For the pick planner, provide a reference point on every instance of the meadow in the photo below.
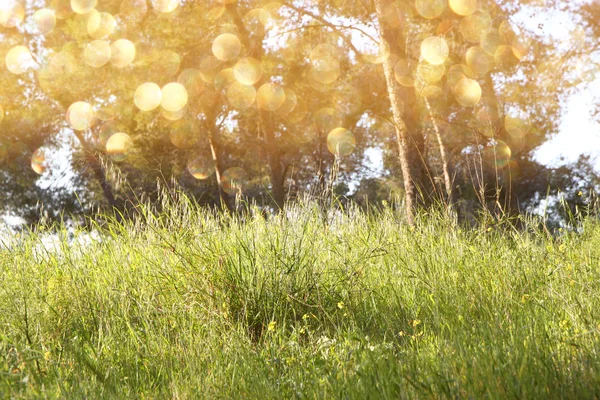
(190, 303)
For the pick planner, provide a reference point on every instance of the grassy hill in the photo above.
(190, 303)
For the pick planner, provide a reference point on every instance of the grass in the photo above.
(190, 303)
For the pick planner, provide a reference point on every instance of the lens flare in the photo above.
(97, 53)
(209, 68)
(201, 167)
(100, 25)
(184, 134)
(234, 180)
(248, 71)
(80, 116)
(12, 15)
(226, 47)
(83, 6)
(463, 7)
(192, 81)
(327, 119)
(430, 9)
(473, 26)
(241, 96)
(44, 21)
(119, 146)
(174, 97)
(403, 73)
(435, 50)
(38, 162)
(478, 60)
(133, 9)
(467, 92)
(122, 53)
(341, 142)
(18, 60)
(147, 96)
(270, 97)
(165, 6)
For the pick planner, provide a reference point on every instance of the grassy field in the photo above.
(194, 304)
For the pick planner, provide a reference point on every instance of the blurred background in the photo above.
(474, 104)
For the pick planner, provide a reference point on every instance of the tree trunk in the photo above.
(402, 135)
(276, 170)
(95, 164)
(224, 198)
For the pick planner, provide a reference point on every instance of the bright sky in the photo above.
(578, 132)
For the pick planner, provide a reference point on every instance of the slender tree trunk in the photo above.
(95, 164)
(215, 151)
(443, 156)
(276, 170)
(402, 136)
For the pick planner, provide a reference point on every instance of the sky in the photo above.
(578, 132)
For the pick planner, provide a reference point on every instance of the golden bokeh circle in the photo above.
(201, 167)
(97, 53)
(463, 7)
(38, 161)
(234, 180)
(147, 96)
(83, 6)
(341, 142)
(226, 47)
(44, 20)
(122, 53)
(174, 97)
(270, 97)
(165, 6)
(119, 146)
(81, 116)
(430, 9)
(241, 96)
(18, 60)
(100, 25)
(248, 71)
(435, 50)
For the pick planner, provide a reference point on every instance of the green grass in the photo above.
(194, 304)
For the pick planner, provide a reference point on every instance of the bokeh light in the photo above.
(38, 161)
(122, 53)
(403, 73)
(97, 53)
(248, 71)
(100, 25)
(430, 73)
(234, 180)
(209, 68)
(184, 134)
(18, 60)
(341, 142)
(201, 167)
(478, 60)
(191, 79)
(11, 14)
(119, 146)
(327, 119)
(226, 47)
(430, 9)
(165, 6)
(147, 96)
(83, 6)
(241, 96)
(44, 20)
(473, 26)
(467, 92)
(435, 50)
(516, 127)
(81, 116)
(174, 97)
(498, 154)
(463, 7)
(133, 9)
(270, 96)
